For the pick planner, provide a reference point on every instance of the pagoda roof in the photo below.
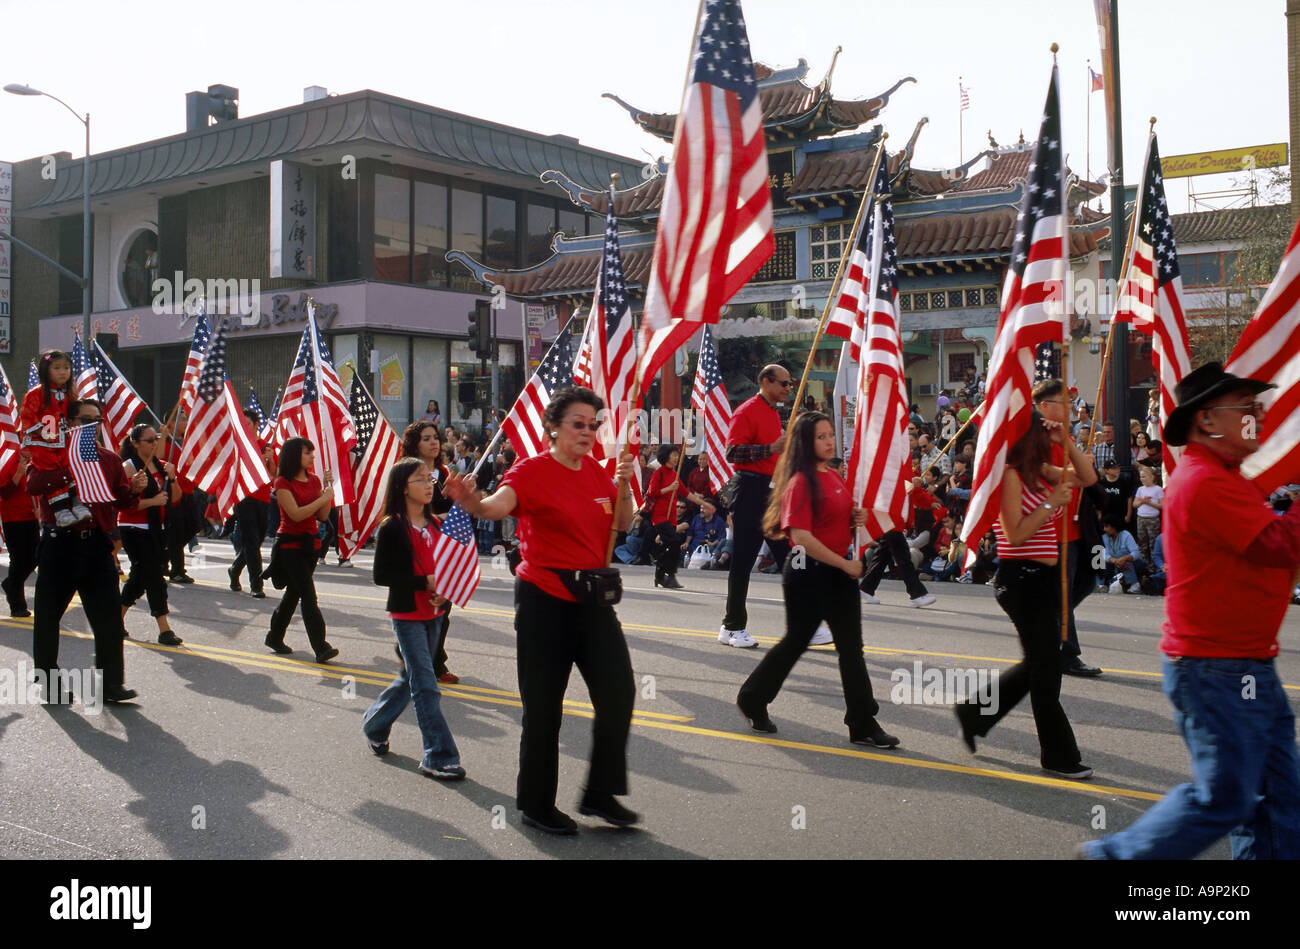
(791, 107)
(983, 233)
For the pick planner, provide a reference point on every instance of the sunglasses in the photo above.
(578, 425)
(785, 383)
(87, 420)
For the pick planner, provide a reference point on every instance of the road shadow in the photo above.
(225, 680)
(434, 837)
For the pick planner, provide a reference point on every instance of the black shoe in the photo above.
(258, 595)
(329, 653)
(118, 693)
(877, 738)
(277, 645)
(967, 736)
(234, 580)
(1074, 772)
(168, 638)
(181, 578)
(756, 717)
(555, 822)
(377, 748)
(605, 807)
(448, 772)
(1077, 668)
(19, 612)
(668, 581)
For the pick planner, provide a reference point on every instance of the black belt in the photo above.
(80, 533)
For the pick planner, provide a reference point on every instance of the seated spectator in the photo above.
(630, 550)
(959, 488)
(949, 551)
(707, 530)
(1157, 580)
(1123, 558)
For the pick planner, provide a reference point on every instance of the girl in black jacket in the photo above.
(404, 563)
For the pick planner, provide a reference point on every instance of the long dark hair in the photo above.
(395, 495)
(130, 453)
(47, 360)
(799, 458)
(1034, 449)
(291, 457)
(411, 438)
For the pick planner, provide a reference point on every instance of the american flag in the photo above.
(523, 423)
(33, 377)
(1269, 349)
(1152, 297)
(256, 406)
(964, 92)
(848, 318)
(266, 431)
(1033, 312)
(1047, 362)
(83, 373)
(712, 411)
(83, 459)
(1096, 82)
(220, 455)
(879, 463)
(612, 342)
(198, 346)
(120, 403)
(379, 448)
(315, 408)
(715, 226)
(10, 443)
(455, 559)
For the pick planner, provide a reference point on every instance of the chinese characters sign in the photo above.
(293, 220)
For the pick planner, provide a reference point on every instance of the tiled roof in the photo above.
(974, 234)
(570, 274)
(1232, 224)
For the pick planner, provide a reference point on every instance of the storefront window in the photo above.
(500, 253)
(429, 377)
(541, 226)
(573, 223)
(393, 378)
(466, 234)
(429, 260)
(139, 269)
(392, 228)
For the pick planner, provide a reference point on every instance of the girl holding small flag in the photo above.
(142, 528)
(423, 440)
(565, 503)
(44, 424)
(404, 546)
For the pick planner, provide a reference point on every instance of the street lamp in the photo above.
(19, 89)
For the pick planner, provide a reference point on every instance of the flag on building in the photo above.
(84, 384)
(455, 558)
(119, 403)
(964, 92)
(10, 441)
(33, 377)
(198, 346)
(1269, 349)
(314, 407)
(1152, 296)
(219, 454)
(1033, 312)
(712, 412)
(379, 448)
(715, 223)
(879, 463)
(1097, 83)
(848, 319)
(266, 431)
(523, 423)
(83, 459)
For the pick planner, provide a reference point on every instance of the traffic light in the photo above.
(480, 329)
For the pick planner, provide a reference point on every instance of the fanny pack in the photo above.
(600, 587)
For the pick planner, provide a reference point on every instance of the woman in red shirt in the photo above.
(661, 498)
(811, 503)
(404, 547)
(142, 528)
(1028, 588)
(303, 502)
(22, 532)
(565, 504)
(422, 440)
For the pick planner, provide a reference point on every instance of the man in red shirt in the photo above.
(1230, 562)
(754, 444)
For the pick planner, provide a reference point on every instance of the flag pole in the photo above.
(839, 276)
(315, 357)
(952, 441)
(960, 110)
(636, 380)
(104, 356)
(1087, 149)
(1065, 394)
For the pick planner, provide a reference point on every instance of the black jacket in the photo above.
(395, 566)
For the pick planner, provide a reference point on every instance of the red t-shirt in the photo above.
(1217, 603)
(564, 518)
(422, 543)
(832, 522)
(136, 516)
(756, 422)
(16, 504)
(663, 503)
(1060, 460)
(304, 493)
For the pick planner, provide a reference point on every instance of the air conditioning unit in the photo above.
(927, 388)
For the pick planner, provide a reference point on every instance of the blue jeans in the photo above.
(1130, 573)
(1240, 730)
(417, 682)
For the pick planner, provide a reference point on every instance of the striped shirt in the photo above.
(1045, 544)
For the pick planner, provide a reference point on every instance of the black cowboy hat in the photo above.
(1198, 387)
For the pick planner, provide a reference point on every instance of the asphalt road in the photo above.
(232, 752)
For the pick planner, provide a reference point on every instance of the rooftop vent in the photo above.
(218, 104)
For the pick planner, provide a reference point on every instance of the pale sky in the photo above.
(1214, 73)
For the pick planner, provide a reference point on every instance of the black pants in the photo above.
(747, 539)
(21, 537)
(665, 547)
(299, 565)
(554, 636)
(182, 524)
(440, 655)
(252, 516)
(78, 562)
(1082, 581)
(1030, 593)
(816, 592)
(892, 548)
(145, 551)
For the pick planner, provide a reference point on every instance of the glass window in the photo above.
(573, 223)
(429, 261)
(392, 228)
(1187, 265)
(392, 387)
(1230, 266)
(466, 234)
(1208, 271)
(499, 252)
(541, 226)
(429, 376)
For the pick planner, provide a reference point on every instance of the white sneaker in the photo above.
(920, 601)
(965, 578)
(868, 598)
(346, 562)
(738, 637)
(822, 637)
(1135, 588)
(1116, 588)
